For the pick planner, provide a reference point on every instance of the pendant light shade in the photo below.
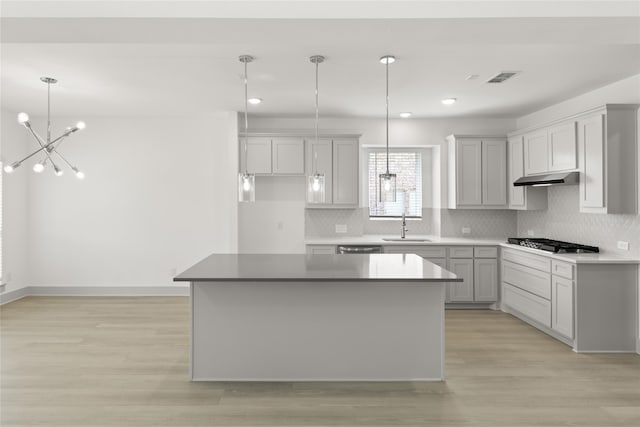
(387, 184)
(246, 187)
(316, 182)
(246, 180)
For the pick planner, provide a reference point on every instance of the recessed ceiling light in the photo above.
(405, 115)
(388, 59)
(449, 101)
(254, 101)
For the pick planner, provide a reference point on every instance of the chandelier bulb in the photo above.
(81, 125)
(387, 184)
(58, 171)
(316, 184)
(38, 167)
(23, 118)
(10, 168)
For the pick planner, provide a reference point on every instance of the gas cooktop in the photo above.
(549, 245)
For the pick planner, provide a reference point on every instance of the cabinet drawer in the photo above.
(533, 281)
(485, 252)
(562, 269)
(460, 252)
(531, 260)
(530, 305)
(423, 251)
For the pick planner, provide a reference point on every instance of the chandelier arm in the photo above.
(63, 159)
(42, 145)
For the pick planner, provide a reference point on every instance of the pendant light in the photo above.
(246, 180)
(387, 189)
(316, 182)
(48, 146)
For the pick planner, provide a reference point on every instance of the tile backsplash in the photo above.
(563, 221)
(482, 223)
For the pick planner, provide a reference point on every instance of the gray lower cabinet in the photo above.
(461, 291)
(485, 280)
(478, 267)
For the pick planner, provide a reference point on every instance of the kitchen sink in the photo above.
(406, 239)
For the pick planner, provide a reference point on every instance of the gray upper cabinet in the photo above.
(536, 152)
(273, 155)
(338, 160)
(258, 155)
(287, 156)
(521, 198)
(477, 172)
(551, 149)
(562, 147)
(607, 151)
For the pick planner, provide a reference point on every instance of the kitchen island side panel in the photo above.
(317, 331)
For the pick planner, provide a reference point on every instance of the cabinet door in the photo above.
(469, 172)
(461, 291)
(591, 153)
(485, 273)
(562, 147)
(258, 155)
(562, 306)
(536, 153)
(287, 156)
(345, 171)
(516, 170)
(323, 153)
(494, 173)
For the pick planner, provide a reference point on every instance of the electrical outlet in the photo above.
(341, 228)
(530, 233)
(466, 230)
(623, 245)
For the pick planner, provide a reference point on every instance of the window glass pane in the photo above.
(407, 166)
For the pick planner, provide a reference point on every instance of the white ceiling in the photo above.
(189, 65)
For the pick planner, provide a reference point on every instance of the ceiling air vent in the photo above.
(502, 76)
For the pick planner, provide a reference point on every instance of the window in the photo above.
(407, 165)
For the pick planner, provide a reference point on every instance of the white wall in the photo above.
(625, 91)
(159, 194)
(14, 146)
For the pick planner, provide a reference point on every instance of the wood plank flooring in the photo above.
(119, 361)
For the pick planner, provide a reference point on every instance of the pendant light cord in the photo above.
(315, 154)
(387, 99)
(246, 117)
(48, 112)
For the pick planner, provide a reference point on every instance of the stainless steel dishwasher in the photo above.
(358, 249)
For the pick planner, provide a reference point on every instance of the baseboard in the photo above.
(97, 291)
(14, 295)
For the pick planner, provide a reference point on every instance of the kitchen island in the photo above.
(296, 317)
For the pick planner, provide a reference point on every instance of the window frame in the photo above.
(397, 149)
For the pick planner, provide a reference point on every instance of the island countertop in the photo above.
(304, 267)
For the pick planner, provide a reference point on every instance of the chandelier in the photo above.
(48, 146)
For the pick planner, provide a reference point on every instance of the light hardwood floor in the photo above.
(122, 361)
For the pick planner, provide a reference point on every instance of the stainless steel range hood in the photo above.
(561, 178)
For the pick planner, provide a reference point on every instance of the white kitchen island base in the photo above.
(317, 330)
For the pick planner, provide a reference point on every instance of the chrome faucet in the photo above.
(404, 229)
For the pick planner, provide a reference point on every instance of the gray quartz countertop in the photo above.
(411, 240)
(317, 268)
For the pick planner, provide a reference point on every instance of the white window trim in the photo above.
(426, 152)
